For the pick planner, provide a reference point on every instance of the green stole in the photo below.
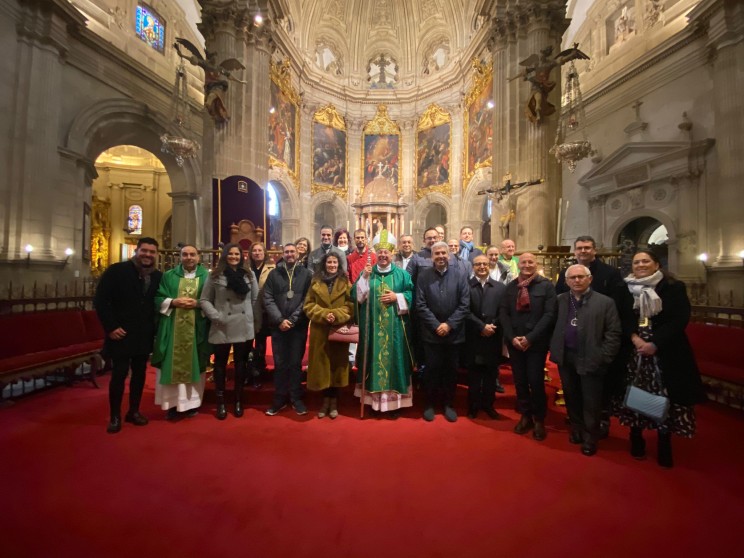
(184, 327)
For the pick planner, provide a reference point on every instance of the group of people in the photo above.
(420, 315)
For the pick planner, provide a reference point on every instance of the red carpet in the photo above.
(290, 486)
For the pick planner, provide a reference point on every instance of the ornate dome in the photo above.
(380, 191)
(383, 44)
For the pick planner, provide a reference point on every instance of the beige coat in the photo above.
(258, 307)
(328, 363)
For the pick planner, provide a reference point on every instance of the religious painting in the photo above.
(479, 120)
(381, 148)
(284, 122)
(433, 142)
(150, 27)
(329, 152)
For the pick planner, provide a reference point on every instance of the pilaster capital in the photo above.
(260, 37)
(49, 23)
(537, 14)
(222, 15)
(184, 196)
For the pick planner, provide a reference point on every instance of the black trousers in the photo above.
(119, 372)
(440, 376)
(221, 354)
(288, 348)
(482, 385)
(583, 394)
(528, 368)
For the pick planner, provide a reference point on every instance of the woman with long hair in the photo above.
(261, 265)
(663, 362)
(227, 300)
(328, 303)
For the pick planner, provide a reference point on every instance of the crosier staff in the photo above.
(367, 269)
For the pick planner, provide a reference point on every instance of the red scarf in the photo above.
(523, 295)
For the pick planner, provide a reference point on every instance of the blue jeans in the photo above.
(288, 348)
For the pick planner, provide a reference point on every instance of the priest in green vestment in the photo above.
(384, 294)
(181, 351)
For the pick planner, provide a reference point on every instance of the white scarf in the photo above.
(645, 298)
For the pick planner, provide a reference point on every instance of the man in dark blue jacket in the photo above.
(442, 306)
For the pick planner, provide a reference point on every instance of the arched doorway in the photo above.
(437, 215)
(643, 232)
(131, 200)
(486, 213)
(274, 213)
(324, 215)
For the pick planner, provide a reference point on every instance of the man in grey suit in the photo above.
(326, 245)
(585, 341)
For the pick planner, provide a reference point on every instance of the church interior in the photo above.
(205, 122)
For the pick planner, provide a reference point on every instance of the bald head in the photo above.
(527, 265)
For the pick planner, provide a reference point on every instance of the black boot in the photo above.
(239, 383)
(637, 443)
(221, 410)
(664, 456)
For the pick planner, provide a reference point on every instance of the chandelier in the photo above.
(571, 121)
(180, 146)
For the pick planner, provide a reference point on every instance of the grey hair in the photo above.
(587, 271)
(440, 244)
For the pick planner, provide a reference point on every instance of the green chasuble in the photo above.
(181, 347)
(385, 336)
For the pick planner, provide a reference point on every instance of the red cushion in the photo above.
(93, 328)
(40, 331)
(719, 350)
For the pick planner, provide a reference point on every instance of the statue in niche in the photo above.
(654, 12)
(537, 72)
(216, 77)
(624, 26)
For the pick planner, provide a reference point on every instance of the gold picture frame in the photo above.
(284, 122)
(433, 152)
(478, 121)
(382, 150)
(329, 143)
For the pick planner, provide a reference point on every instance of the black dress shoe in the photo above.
(524, 425)
(191, 413)
(450, 414)
(173, 415)
(588, 448)
(539, 432)
(238, 409)
(114, 426)
(492, 413)
(136, 418)
(429, 414)
(575, 437)
(499, 388)
(472, 413)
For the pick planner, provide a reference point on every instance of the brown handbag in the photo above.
(347, 333)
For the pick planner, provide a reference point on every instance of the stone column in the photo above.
(187, 225)
(34, 161)
(523, 146)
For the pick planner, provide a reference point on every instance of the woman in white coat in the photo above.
(227, 300)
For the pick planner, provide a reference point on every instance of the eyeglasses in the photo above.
(480, 264)
(577, 277)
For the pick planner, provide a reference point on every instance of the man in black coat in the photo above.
(585, 342)
(284, 294)
(442, 305)
(125, 304)
(483, 339)
(527, 315)
(608, 281)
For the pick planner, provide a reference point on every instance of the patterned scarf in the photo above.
(645, 299)
(523, 295)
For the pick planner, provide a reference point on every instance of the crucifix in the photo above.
(509, 187)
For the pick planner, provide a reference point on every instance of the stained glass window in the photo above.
(150, 27)
(134, 222)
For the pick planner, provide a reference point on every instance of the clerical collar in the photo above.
(189, 274)
(385, 269)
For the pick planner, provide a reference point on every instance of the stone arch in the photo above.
(110, 122)
(289, 201)
(340, 211)
(472, 203)
(424, 206)
(613, 231)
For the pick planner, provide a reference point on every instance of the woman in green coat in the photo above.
(328, 303)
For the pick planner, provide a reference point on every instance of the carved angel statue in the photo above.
(215, 77)
(537, 72)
